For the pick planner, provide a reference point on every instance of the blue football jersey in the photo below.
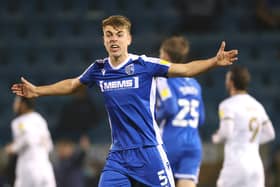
(180, 110)
(129, 92)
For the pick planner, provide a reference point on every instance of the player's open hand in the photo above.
(224, 58)
(24, 89)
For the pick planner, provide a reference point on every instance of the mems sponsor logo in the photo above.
(130, 83)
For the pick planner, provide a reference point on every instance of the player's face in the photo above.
(116, 40)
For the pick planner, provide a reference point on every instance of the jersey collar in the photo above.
(121, 64)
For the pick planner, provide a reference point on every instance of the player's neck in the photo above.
(27, 111)
(237, 92)
(117, 60)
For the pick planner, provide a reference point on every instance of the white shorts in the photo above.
(234, 178)
(36, 177)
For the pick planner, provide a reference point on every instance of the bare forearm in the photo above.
(192, 68)
(64, 87)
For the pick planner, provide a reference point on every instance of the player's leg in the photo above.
(48, 177)
(24, 182)
(113, 178)
(114, 172)
(231, 177)
(150, 166)
(185, 183)
(186, 171)
(24, 178)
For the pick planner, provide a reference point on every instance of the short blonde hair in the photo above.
(117, 21)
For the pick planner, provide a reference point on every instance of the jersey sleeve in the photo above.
(19, 136)
(268, 132)
(168, 106)
(225, 112)
(86, 77)
(157, 67)
(226, 125)
(163, 89)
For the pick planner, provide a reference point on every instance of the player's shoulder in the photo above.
(192, 81)
(37, 115)
(226, 102)
(15, 121)
(256, 102)
(33, 117)
(98, 63)
(143, 59)
(134, 57)
(148, 59)
(19, 122)
(238, 100)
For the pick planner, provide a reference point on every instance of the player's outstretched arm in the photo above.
(222, 58)
(64, 87)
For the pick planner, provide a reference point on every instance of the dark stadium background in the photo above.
(47, 40)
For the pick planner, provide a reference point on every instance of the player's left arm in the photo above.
(222, 58)
(226, 116)
(267, 133)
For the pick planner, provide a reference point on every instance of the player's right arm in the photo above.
(226, 126)
(20, 138)
(64, 87)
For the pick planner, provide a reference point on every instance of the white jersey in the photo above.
(32, 142)
(244, 125)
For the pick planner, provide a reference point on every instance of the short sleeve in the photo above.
(163, 88)
(225, 112)
(157, 67)
(19, 136)
(86, 77)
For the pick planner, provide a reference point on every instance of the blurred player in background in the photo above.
(180, 111)
(32, 143)
(244, 124)
(128, 84)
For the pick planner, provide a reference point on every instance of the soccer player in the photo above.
(127, 82)
(180, 111)
(244, 125)
(32, 143)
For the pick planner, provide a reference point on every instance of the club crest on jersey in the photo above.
(129, 69)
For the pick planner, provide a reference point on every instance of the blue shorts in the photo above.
(147, 165)
(185, 163)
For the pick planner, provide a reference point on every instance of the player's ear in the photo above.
(129, 38)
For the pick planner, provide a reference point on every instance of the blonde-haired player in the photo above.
(32, 143)
(244, 124)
